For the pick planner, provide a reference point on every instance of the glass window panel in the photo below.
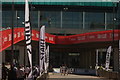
(20, 21)
(7, 18)
(72, 20)
(94, 20)
(110, 21)
(34, 19)
(50, 18)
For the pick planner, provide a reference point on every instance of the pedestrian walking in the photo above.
(12, 74)
(66, 69)
(4, 72)
(35, 72)
(27, 70)
(63, 69)
(20, 74)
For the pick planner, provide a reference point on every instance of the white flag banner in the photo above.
(47, 59)
(42, 49)
(28, 35)
(97, 59)
(109, 50)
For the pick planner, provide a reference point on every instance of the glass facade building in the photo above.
(85, 16)
(65, 18)
(61, 19)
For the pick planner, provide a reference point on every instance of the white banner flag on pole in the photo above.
(28, 35)
(96, 61)
(42, 49)
(108, 58)
(47, 59)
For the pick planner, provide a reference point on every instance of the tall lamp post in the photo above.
(15, 55)
(113, 42)
(17, 20)
(49, 22)
(118, 36)
(114, 22)
(118, 24)
(12, 33)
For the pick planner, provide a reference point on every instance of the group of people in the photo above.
(64, 69)
(19, 72)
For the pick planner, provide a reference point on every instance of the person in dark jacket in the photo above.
(4, 72)
(20, 74)
(12, 74)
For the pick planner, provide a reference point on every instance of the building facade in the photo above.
(64, 18)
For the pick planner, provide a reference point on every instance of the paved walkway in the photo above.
(58, 76)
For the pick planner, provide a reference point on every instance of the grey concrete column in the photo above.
(105, 20)
(21, 56)
(83, 20)
(3, 56)
(116, 54)
(0, 40)
(38, 19)
(0, 65)
(93, 58)
(61, 19)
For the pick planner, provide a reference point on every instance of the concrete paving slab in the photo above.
(58, 76)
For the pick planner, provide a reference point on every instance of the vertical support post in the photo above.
(83, 20)
(38, 19)
(61, 19)
(113, 32)
(118, 38)
(16, 26)
(0, 65)
(12, 37)
(105, 21)
(119, 56)
(24, 56)
(0, 40)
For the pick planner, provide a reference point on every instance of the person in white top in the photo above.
(27, 70)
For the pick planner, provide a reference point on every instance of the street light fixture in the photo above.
(17, 20)
(23, 23)
(18, 17)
